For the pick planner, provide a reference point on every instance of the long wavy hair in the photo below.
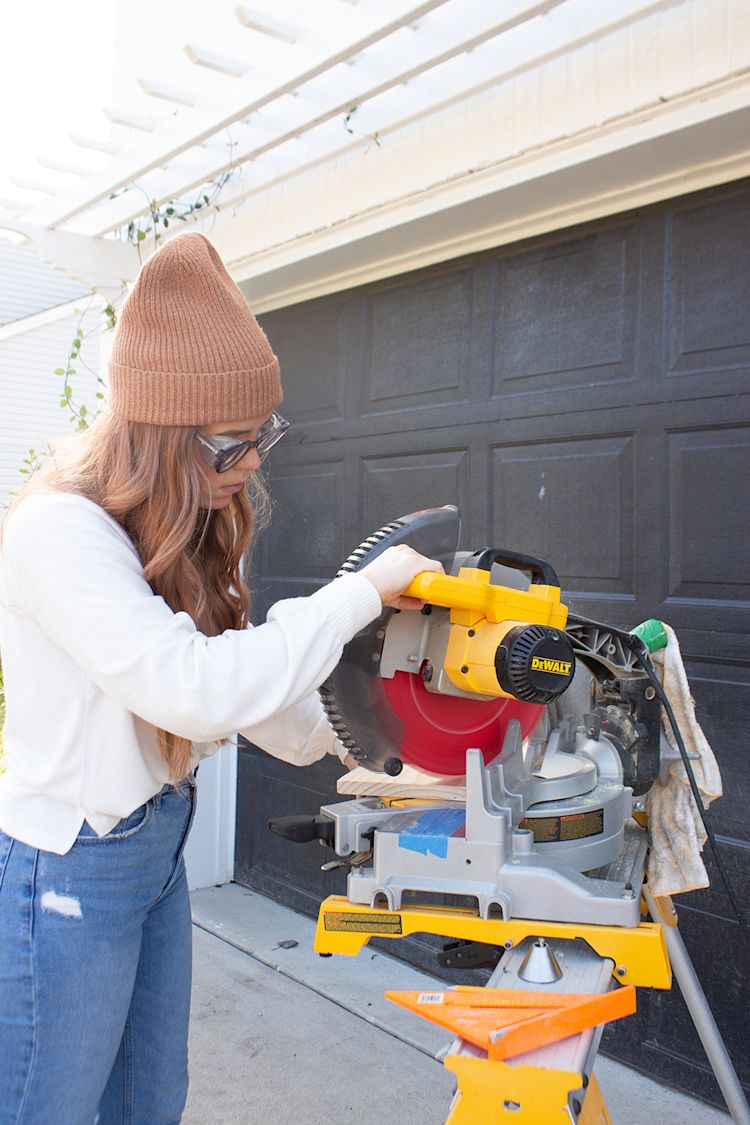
(148, 479)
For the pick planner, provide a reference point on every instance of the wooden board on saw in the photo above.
(411, 782)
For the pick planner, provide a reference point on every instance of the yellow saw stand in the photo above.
(535, 1089)
(497, 1092)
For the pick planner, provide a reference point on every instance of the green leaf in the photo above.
(83, 411)
(141, 235)
(205, 199)
(99, 394)
(166, 222)
(59, 371)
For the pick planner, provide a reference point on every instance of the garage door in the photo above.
(582, 397)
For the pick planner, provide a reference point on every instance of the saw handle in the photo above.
(541, 572)
(304, 829)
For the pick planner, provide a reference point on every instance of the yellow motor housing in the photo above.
(502, 642)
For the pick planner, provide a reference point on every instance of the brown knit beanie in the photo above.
(187, 350)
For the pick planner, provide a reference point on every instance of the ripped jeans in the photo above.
(95, 970)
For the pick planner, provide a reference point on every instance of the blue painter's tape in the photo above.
(431, 831)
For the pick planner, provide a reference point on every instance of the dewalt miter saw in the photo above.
(473, 685)
(534, 735)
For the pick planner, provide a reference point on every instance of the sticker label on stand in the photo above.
(344, 922)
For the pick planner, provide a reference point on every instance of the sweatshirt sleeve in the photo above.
(74, 570)
(301, 734)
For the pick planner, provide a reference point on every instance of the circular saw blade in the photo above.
(377, 718)
(437, 730)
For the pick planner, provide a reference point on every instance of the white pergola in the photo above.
(280, 93)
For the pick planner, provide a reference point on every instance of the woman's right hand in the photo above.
(393, 571)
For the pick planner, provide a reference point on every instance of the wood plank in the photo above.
(411, 782)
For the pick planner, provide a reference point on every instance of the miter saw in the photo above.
(505, 747)
(475, 683)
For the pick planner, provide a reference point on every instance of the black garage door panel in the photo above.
(582, 397)
(268, 862)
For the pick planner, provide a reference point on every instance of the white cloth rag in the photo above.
(675, 827)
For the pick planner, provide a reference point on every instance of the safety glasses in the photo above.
(221, 453)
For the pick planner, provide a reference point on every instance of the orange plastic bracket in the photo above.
(506, 1022)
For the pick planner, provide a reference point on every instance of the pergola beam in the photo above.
(495, 58)
(222, 111)
(105, 265)
(268, 25)
(454, 35)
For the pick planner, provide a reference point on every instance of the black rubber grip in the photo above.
(303, 829)
(541, 572)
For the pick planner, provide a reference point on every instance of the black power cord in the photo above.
(641, 652)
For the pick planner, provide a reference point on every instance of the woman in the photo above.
(127, 657)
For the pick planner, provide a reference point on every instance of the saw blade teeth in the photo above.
(366, 546)
(326, 691)
(340, 729)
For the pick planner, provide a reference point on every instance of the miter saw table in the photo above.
(504, 748)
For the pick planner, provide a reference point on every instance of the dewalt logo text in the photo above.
(557, 667)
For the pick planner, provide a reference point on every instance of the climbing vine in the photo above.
(373, 138)
(157, 218)
(79, 412)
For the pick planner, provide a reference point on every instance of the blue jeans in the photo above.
(95, 970)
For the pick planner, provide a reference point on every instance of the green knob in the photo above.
(652, 633)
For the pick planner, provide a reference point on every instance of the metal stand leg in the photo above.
(704, 1022)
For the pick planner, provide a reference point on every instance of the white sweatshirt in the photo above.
(94, 662)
